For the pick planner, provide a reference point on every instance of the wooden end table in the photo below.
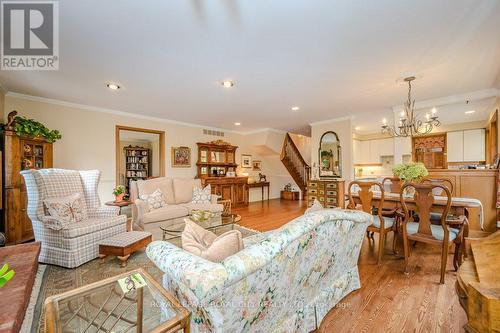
(119, 204)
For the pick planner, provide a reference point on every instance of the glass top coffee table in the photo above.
(174, 227)
(129, 302)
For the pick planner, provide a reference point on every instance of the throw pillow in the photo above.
(67, 209)
(202, 196)
(154, 200)
(316, 206)
(208, 245)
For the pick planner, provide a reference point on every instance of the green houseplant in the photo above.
(32, 128)
(410, 172)
(119, 193)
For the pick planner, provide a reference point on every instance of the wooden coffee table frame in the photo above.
(123, 253)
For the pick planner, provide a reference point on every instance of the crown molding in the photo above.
(333, 120)
(453, 99)
(128, 114)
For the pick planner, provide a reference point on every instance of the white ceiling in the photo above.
(331, 58)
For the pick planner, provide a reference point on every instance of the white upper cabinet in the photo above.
(474, 145)
(455, 146)
(386, 147)
(466, 146)
(406, 148)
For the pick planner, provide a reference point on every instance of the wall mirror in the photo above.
(140, 154)
(329, 154)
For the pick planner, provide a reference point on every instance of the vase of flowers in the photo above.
(410, 173)
(119, 193)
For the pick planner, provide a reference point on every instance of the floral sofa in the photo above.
(286, 281)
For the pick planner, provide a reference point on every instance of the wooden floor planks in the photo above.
(388, 300)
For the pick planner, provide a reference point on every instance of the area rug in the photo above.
(56, 280)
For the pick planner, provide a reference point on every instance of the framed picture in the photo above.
(181, 157)
(246, 161)
(257, 165)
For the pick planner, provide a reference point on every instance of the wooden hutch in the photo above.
(215, 160)
(20, 153)
(430, 150)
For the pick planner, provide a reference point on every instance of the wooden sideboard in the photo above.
(229, 188)
(477, 184)
(215, 160)
(330, 193)
(20, 154)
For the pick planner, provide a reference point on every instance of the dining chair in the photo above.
(445, 234)
(394, 183)
(381, 224)
(436, 217)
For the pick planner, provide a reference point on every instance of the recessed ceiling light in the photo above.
(470, 112)
(357, 128)
(113, 86)
(237, 124)
(295, 108)
(227, 83)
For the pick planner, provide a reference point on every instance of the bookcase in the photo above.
(137, 164)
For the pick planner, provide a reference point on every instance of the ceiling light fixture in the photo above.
(409, 124)
(237, 124)
(295, 108)
(227, 84)
(357, 128)
(113, 86)
(470, 112)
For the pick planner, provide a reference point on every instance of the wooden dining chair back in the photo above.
(439, 181)
(381, 224)
(394, 183)
(424, 231)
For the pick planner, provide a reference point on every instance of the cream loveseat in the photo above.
(178, 193)
(76, 243)
(286, 281)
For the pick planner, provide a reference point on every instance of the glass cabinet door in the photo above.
(203, 155)
(230, 157)
(218, 156)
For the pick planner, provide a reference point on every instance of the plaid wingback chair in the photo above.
(76, 243)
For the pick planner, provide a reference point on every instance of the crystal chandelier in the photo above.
(409, 124)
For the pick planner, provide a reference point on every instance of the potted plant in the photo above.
(119, 193)
(410, 172)
(25, 127)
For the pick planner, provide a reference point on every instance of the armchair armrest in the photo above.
(214, 198)
(52, 223)
(104, 212)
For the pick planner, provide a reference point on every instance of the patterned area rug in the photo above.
(57, 280)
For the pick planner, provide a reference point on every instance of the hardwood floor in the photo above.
(388, 300)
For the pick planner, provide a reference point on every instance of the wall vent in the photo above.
(213, 132)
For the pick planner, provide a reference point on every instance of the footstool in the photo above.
(123, 245)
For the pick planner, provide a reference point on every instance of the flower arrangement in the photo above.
(411, 172)
(119, 193)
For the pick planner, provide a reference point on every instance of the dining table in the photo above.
(392, 200)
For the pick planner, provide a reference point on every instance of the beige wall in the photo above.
(88, 140)
(343, 128)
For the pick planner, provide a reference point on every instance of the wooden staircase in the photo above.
(295, 163)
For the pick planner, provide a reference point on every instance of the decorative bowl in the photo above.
(201, 215)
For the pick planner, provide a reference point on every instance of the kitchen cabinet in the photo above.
(406, 148)
(371, 151)
(474, 145)
(455, 146)
(466, 146)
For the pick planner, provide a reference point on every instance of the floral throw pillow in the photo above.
(202, 195)
(154, 200)
(316, 206)
(67, 209)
